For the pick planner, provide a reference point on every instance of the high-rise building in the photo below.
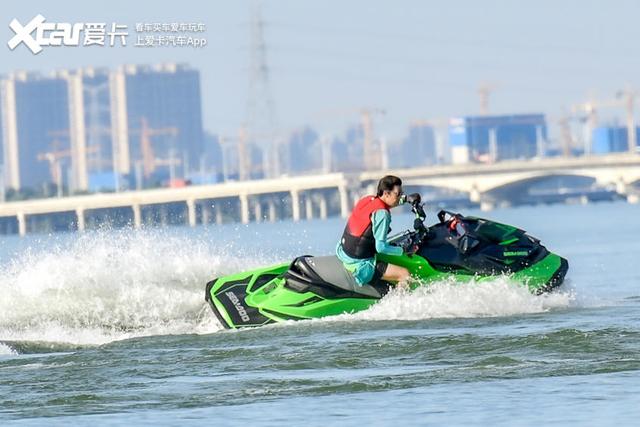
(612, 139)
(303, 152)
(35, 129)
(211, 164)
(347, 153)
(96, 104)
(494, 138)
(419, 148)
(87, 129)
(157, 119)
(1, 148)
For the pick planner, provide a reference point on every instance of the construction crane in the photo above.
(244, 156)
(372, 148)
(440, 127)
(628, 96)
(149, 162)
(54, 157)
(484, 91)
(243, 151)
(565, 135)
(79, 152)
(146, 132)
(55, 169)
(590, 117)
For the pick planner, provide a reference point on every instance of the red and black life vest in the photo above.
(358, 240)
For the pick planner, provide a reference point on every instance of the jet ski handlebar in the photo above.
(417, 207)
(420, 232)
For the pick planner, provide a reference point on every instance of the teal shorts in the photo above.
(367, 271)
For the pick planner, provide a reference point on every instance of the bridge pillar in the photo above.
(474, 195)
(271, 203)
(81, 219)
(244, 208)
(218, 212)
(164, 214)
(487, 206)
(191, 212)
(257, 209)
(493, 145)
(540, 149)
(206, 213)
(621, 186)
(371, 189)
(22, 224)
(323, 206)
(308, 207)
(344, 201)
(137, 216)
(295, 205)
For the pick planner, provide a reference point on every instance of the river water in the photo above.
(110, 327)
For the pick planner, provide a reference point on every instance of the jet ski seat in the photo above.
(329, 271)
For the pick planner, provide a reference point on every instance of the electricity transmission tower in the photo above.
(261, 116)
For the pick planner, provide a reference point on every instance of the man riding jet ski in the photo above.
(459, 247)
(365, 236)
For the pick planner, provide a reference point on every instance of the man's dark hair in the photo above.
(388, 183)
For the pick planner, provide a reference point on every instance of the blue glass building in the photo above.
(35, 123)
(495, 138)
(612, 139)
(166, 96)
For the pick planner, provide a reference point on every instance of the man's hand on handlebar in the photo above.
(409, 247)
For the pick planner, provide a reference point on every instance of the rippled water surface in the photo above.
(111, 328)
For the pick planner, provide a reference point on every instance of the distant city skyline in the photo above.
(91, 130)
(415, 60)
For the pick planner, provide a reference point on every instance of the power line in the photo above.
(261, 116)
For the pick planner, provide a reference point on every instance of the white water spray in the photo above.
(448, 299)
(112, 285)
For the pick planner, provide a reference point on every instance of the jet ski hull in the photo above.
(244, 300)
(261, 296)
(314, 287)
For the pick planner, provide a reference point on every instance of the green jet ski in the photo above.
(459, 247)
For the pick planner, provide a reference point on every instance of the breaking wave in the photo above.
(448, 299)
(112, 285)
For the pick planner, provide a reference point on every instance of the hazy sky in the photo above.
(328, 58)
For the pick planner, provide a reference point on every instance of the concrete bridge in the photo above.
(202, 202)
(324, 194)
(504, 181)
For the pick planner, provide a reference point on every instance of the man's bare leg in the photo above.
(395, 273)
